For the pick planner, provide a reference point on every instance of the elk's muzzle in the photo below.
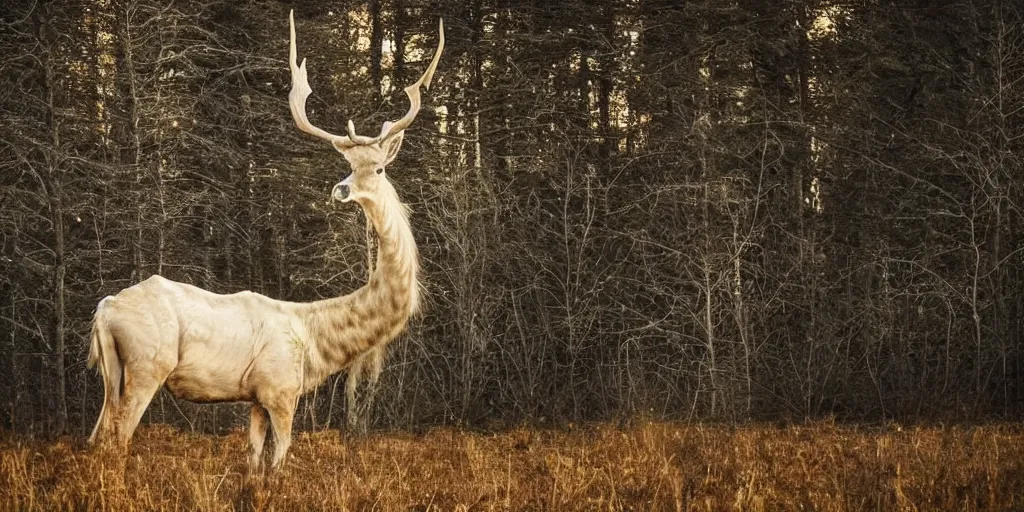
(340, 192)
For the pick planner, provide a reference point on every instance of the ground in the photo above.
(648, 466)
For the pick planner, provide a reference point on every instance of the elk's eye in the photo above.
(380, 170)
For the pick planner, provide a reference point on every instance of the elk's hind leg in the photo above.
(141, 382)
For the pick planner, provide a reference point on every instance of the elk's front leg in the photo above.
(281, 413)
(258, 423)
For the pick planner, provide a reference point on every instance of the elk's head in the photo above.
(367, 156)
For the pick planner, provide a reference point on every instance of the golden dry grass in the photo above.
(655, 466)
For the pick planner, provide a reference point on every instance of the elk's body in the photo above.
(208, 347)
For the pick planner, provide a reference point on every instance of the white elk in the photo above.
(207, 347)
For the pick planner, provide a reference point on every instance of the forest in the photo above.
(678, 210)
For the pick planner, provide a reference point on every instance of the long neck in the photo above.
(398, 261)
(344, 327)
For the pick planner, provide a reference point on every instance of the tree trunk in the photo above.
(376, 49)
(56, 204)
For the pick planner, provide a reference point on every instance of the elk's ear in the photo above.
(391, 146)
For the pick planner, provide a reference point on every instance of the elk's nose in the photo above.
(340, 192)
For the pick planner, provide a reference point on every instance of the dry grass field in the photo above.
(654, 466)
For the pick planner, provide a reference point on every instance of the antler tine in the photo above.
(413, 92)
(358, 139)
(301, 90)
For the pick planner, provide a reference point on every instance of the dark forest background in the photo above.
(702, 210)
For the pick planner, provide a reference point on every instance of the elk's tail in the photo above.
(103, 353)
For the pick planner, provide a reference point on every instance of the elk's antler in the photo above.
(301, 90)
(413, 92)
